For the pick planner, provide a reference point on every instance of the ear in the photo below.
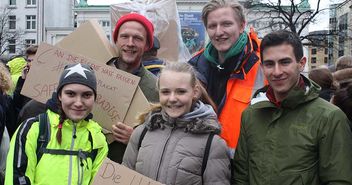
(242, 27)
(197, 92)
(59, 96)
(146, 47)
(302, 63)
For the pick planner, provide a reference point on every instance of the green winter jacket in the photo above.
(23, 167)
(306, 141)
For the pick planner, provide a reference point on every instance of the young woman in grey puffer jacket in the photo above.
(177, 130)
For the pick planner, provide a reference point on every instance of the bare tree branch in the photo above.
(6, 33)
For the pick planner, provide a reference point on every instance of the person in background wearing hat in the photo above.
(343, 73)
(150, 59)
(75, 146)
(133, 35)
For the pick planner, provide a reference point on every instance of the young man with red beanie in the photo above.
(133, 35)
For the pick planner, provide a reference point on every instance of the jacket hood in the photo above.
(16, 65)
(202, 119)
(295, 97)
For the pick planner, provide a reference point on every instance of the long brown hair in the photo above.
(182, 67)
(61, 120)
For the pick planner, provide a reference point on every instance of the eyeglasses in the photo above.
(29, 60)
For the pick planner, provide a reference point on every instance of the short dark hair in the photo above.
(343, 99)
(282, 37)
(31, 50)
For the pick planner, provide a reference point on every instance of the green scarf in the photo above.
(211, 54)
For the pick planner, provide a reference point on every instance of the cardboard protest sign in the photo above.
(115, 91)
(138, 106)
(89, 40)
(111, 173)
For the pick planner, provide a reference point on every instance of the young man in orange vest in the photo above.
(229, 65)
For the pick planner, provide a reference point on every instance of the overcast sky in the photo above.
(322, 20)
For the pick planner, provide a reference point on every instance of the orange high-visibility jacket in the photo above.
(242, 84)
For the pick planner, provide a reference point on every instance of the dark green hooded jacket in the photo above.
(306, 140)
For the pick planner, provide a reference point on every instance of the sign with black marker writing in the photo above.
(111, 173)
(116, 88)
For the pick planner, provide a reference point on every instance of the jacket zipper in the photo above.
(162, 154)
(71, 157)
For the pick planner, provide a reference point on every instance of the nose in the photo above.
(78, 102)
(277, 70)
(219, 30)
(172, 97)
(130, 41)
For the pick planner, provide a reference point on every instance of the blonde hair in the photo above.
(216, 4)
(181, 67)
(5, 79)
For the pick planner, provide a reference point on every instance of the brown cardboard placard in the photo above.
(115, 87)
(138, 106)
(89, 39)
(111, 173)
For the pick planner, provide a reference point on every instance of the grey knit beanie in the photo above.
(78, 74)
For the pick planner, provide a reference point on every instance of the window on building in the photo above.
(314, 51)
(108, 36)
(12, 45)
(313, 60)
(326, 50)
(30, 22)
(105, 23)
(325, 60)
(30, 42)
(12, 2)
(31, 2)
(341, 52)
(332, 20)
(343, 22)
(12, 22)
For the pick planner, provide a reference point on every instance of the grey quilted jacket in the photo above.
(172, 150)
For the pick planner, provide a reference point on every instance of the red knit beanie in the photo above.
(139, 18)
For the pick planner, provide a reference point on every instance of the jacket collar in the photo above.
(294, 98)
(202, 119)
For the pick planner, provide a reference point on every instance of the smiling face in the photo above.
(223, 28)
(132, 42)
(281, 69)
(76, 101)
(176, 93)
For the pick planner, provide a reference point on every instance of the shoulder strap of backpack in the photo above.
(44, 135)
(142, 137)
(94, 152)
(206, 153)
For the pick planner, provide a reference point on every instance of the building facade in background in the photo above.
(340, 27)
(51, 20)
(34, 19)
(318, 53)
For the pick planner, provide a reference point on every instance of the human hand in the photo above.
(25, 71)
(122, 132)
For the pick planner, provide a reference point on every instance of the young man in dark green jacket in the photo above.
(288, 134)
